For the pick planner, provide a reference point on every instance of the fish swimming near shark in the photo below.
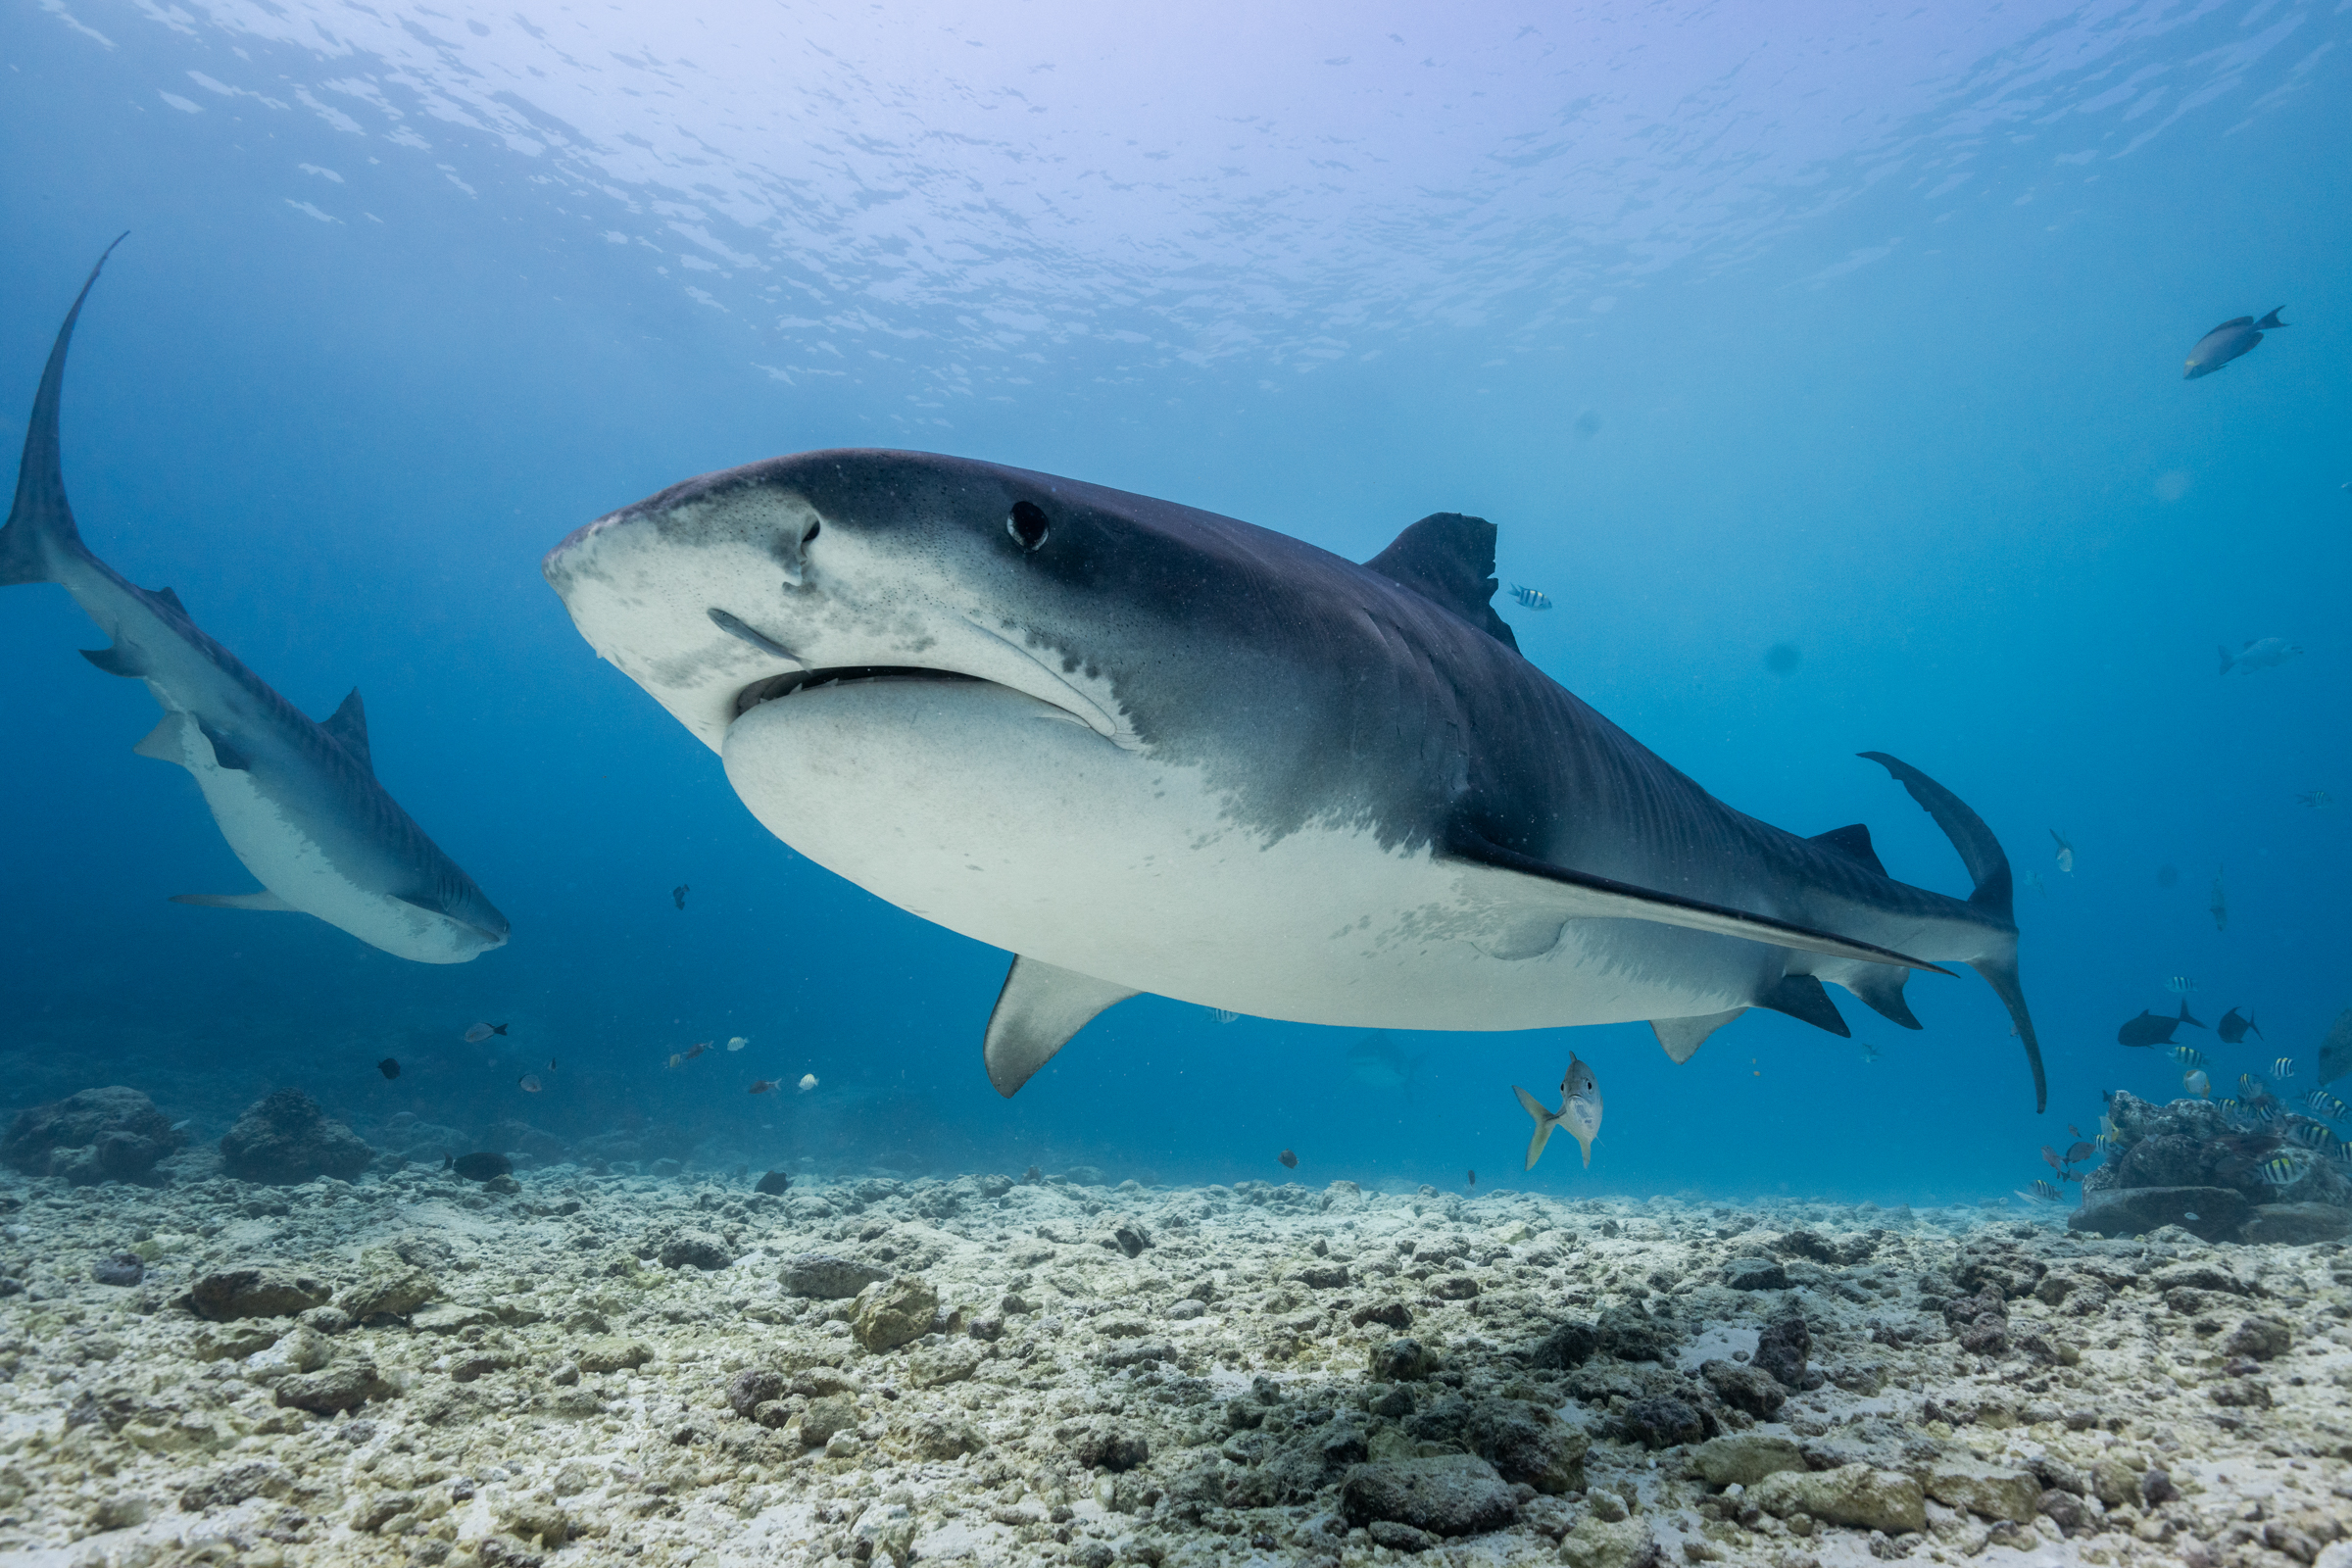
(2153, 1029)
(1578, 1113)
(2265, 653)
(298, 802)
(1150, 749)
(2240, 334)
(2234, 1026)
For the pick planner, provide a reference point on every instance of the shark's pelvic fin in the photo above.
(1880, 986)
(1545, 1122)
(226, 752)
(116, 659)
(1802, 997)
(264, 900)
(348, 725)
(1682, 1037)
(40, 524)
(1989, 868)
(1037, 1012)
(1575, 894)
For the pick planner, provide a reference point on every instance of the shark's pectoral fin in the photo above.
(264, 900)
(1581, 893)
(116, 659)
(1682, 1037)
(168, 742)
(1040, 1008)
(175, 739)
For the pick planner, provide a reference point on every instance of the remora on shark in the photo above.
(1150, 749)
(298, 802)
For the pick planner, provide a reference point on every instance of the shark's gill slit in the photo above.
(800, 680)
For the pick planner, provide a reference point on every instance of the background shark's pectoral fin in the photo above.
(1579, 893)
(1682, 1037)
(348, 725)
(264, 900)
(168, 742)
(1037, 1012)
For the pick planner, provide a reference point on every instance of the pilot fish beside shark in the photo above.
(1150, 749)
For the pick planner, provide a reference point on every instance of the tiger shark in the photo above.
(1150, 749)
(297, 800)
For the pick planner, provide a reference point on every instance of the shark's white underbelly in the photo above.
(295, 866)
(993, 814)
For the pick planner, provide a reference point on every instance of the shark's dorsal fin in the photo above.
(1851, 841)
(1037, 1012)
(168, 598)
(348, 725)
(1450, 559)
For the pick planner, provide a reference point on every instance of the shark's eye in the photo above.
(813, 525)
(1026, 524)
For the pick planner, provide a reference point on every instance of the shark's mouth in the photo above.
(776, 687)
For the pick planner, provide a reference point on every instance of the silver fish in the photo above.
(2065, 853)
(1578, 1113)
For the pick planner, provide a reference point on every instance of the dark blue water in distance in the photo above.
(1840, 332)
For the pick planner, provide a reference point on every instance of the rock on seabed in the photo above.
(411, 1371)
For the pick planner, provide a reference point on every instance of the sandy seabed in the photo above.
(568, 1369)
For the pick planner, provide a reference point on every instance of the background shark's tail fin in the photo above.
(41, 521)
(1989, 868)
(1544, 1124)
(2270, 323)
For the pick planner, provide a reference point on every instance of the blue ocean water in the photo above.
(1848, 330)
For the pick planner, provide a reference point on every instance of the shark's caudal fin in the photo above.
(1040, 1008)
(1989, 868)
(1545, 1122)
(40, 525)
